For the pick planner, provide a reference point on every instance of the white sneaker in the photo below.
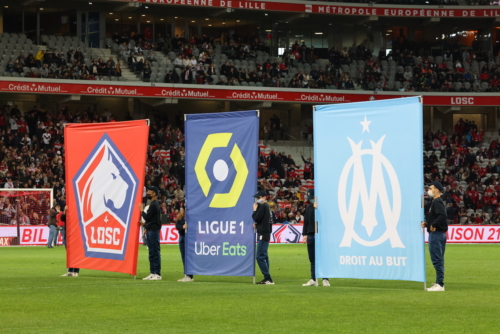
(148, 278)
(68, 274)
(155, 278)
(326, 282)
(186, 279)
(436, 287)
(311, 283)
(74, 274)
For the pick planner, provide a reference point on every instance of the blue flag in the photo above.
(221, 178)
(368, 179)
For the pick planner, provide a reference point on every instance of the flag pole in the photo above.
(315, 234)
(255, 229)
(423, 234)
(254, 253)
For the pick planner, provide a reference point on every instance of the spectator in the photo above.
(146, 73)
(53, 226)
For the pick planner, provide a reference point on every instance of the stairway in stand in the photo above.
(126, 73)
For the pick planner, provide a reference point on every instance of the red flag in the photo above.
(104, 179)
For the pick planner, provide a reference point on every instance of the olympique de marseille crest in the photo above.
(372, 199)
(106, 186)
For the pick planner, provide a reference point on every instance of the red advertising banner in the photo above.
(335, 9)
(464, 234)
(38, 235)
(169, 235)
(105, 179)
(240, 94)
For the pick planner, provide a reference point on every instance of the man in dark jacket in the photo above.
(308, 236)
(262, 222)
(437, 226)
(153, 227)
(181, 226)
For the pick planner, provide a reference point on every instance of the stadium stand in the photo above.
(59, 58)
(240, 63)
(32, 152)
(201, 61)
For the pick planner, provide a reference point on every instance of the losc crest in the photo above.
(286, 234)
(105, 186)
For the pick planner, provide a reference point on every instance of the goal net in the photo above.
(24, 215)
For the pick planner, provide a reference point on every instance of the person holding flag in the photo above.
(153, 226)
(181, 226)
(74, 272)
(437, 226)
(262, 222)
(308, 236)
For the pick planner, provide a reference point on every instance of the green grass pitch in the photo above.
(35, 299)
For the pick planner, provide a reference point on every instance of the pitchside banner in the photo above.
(221, 178)
(105, 178)
(368, 178)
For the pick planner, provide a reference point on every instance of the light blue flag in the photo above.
(368, 182)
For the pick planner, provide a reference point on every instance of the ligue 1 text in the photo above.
(220, 227)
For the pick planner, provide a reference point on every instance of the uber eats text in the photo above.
(220, 227)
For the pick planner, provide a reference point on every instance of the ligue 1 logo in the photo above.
(220, 169)
(105, 186)
(286, 233)
(378, 194)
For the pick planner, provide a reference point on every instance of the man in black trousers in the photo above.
(153, 228)
(308, 236)
(262, 222)
(437, 226)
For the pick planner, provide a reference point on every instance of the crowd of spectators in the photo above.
(453, 72)
(55, 65)
(287, 184)
(32, 156)
(467, 163)
(244, 60)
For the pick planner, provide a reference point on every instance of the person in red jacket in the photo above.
(308, 167)
(22, 126)
(484, 77)
(283, 67)
(495, 82)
